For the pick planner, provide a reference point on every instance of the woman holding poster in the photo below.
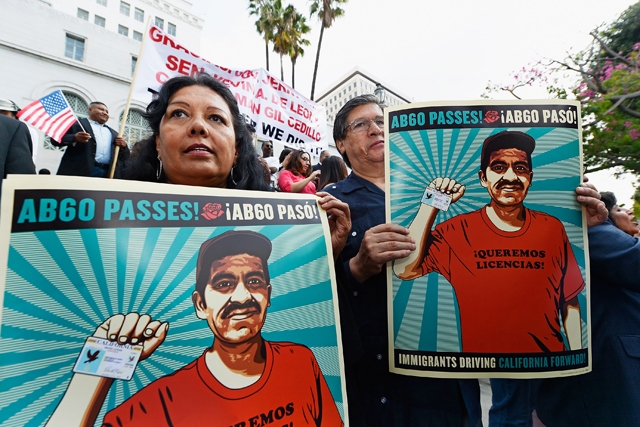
(199, 140)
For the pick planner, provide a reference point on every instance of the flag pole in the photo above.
(125, 114)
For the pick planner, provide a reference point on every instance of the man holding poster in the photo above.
(378, 397)
(512, 268)
(241, 380)
(518, 261)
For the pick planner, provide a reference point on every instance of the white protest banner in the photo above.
(277, 111)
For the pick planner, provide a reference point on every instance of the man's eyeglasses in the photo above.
(362, 125)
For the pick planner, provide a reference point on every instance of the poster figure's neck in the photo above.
(506, 218)
(237, 365)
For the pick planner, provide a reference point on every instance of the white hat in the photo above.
(8, 105)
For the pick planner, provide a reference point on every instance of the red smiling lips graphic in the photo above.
(491, 116)
(212, 210)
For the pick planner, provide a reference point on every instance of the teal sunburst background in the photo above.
(61, 285)
(425, 313)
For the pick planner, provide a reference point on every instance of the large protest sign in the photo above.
(498, 284)
(80, 259)
(277, 111)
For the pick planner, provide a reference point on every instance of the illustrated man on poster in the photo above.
(512, 268)
(241, 380)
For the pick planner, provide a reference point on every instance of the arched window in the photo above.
(79, 107)
(77, 104)
(136, 128)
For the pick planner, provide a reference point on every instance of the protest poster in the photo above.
(277, 111)
(82, 258)
(498, 283)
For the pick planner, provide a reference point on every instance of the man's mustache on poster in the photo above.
(233, 306)
(509, 183)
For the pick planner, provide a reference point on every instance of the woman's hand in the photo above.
(285, 162)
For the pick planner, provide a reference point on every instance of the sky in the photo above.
(423, 50)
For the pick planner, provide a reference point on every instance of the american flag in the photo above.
(51, 114)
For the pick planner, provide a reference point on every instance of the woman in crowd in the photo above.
(609, 395)
(199, 138)
(333, 170)
(622, 218)
(297, 177)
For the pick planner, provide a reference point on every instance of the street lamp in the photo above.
(380, 93)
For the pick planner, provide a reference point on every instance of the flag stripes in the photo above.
(51, 114)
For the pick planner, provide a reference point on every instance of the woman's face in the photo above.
(305, 163)
(196, 141)
(624, 220)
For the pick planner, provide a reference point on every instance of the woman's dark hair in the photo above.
(333, 170)
(295, 161)
(283, 155)
(609, 199)
(143, 164)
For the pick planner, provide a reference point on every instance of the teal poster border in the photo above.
(61, 284)
(424, 318)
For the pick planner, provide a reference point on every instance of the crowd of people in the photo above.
(293, 173)
(200, 139)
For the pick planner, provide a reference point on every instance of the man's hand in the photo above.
(381, 244)
(589, 197)
(448, 186)
(120, 142)
(339, 217)
(81, 137)
(134, 329)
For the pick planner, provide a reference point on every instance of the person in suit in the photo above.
(323, 156)
(10, 109)
(90, 145)
(15, 148)
(609, 394)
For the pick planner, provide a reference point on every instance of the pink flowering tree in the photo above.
(606, 78)
(541, 73)
(609, 91)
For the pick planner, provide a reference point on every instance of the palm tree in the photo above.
(327, 11)
(298, 29)
(265, 24)
(282, 27)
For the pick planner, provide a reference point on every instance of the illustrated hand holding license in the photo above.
(133, 338)
(108, 359)
(436, 199)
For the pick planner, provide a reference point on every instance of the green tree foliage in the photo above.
(609, 92)
(327, 11)
(285, 27)
(625, 31)
(607, 85)
(297, 31)
(282, 34)
(265, 22)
